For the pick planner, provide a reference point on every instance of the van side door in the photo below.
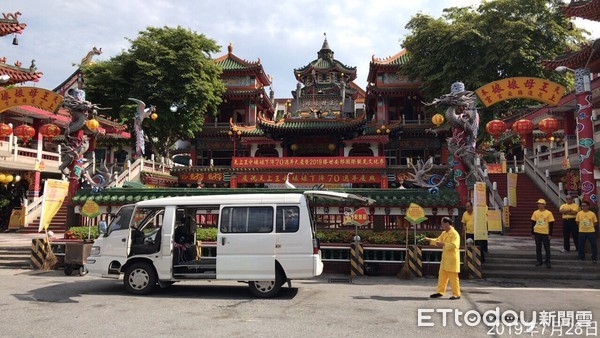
(246, 243)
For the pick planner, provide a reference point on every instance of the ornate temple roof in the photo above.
(586, 9)
(325, 62)
(578, 59)
(19, 74)
(291, 126)
(390, 65)
(234, 64)
(9, 24)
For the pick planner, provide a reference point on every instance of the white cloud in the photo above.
(284, 34)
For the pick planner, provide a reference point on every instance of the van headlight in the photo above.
(95, 251)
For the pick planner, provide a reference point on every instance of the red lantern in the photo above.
(50, 131)
(548, 125)
(5, 130)
(523, 127)
(24, 132)
(495, 128)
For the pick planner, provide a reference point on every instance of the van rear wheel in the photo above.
(267, 289)
(140, 278)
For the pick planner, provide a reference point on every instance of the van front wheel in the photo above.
(266, 289)
(140, 278)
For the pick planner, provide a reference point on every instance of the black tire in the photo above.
(140, 278)
(68, 269)
(267, 289)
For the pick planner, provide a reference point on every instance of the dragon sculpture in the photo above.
(420, 179)
(463, 118)
(80, 111)
(102, 178)
(141, 113)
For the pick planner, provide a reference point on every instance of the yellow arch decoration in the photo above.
(520, 87)
(29, 96)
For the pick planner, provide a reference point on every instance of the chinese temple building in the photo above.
(329, 134)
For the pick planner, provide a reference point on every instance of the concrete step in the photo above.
(542, 272)
(557, 266)
(15, 257)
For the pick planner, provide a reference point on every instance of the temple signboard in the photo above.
(520, 87)
(29, 96)
(309, 162)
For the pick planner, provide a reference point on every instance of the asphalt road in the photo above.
(50, 304)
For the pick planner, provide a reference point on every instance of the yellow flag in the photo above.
(55, 192)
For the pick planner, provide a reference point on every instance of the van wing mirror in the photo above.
(102, 227)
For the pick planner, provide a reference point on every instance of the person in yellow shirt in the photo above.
(449, 240)
(588, 226)
(569, 211)
(542, 221)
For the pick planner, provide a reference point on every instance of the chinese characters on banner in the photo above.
(512, 189)
(520, 87)
(309, 162)
(201, 177)
(29, 96)
(309, 178)
(55, 192)
(480, 212)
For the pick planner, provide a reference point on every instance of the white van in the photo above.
(263, 239)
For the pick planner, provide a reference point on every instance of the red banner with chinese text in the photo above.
(308, 162)
(200, 177)
(309, 178)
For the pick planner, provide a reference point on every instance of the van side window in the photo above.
(122, 218)
(247, 219)
(288, 219)
(146, 230)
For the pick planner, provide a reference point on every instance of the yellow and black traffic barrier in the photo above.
(357, 259)
(414, 259)
(473, 261)
(39, 251)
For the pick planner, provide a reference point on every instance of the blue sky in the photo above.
(284, 34)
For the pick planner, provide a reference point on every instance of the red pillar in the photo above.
(585, 131)
(460, 169)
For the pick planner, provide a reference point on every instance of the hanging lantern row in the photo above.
(495, 128)
(5, 130)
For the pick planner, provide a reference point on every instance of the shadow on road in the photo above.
(75, 287)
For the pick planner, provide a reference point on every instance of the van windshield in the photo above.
(122, 219)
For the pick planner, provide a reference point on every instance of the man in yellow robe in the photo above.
(449, 240)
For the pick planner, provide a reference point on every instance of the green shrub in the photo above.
(206, 234)
(82, 232)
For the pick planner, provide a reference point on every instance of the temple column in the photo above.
(585, 133)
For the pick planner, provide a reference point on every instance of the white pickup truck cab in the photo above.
(265, 240)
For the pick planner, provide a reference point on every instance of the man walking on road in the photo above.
(449, 240)
(542, 221)
(569, 211)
